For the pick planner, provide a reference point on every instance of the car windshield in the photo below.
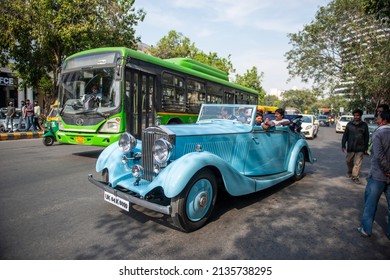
(307, 119)
(346, 119)
(322, 117)
(237, 113)
(370, 119)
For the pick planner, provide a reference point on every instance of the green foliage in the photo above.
(379, 8)
(252, 79)
(39, 34)
(271, 100)
(175, 44)
(304, 100)
(342, 44)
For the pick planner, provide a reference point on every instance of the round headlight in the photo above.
(162, 151)
(127, 143)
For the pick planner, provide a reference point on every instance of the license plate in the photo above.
(120, 202)
(80, 139)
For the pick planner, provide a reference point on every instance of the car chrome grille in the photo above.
(150, 135)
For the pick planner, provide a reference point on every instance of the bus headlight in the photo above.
(111, 125)
(127, 143)
(162, 151)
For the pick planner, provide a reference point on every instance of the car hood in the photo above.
(214, 127)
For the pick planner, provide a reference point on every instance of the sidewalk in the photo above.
(21, 135)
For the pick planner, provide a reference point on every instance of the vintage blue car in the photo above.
(179, 169)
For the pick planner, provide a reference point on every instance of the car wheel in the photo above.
(299, 166)
(193, 206)
(48, 140)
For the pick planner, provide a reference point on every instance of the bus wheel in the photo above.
(48, 140)
(299, 166)
(193, 206)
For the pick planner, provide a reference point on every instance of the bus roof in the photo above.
(185, 65)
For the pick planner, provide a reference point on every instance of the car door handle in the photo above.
(254, 138)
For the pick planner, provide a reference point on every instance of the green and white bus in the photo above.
(107, 91)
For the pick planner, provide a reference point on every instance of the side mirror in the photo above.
(118, 69)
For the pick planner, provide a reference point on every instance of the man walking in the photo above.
(355, 143)
(10, 117)
(379, 178)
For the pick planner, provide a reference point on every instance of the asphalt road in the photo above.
(49, 210)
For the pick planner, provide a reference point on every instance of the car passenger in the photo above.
(278, 121)
(227, 114)
(259, 119)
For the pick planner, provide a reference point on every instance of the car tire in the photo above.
(299, 166)
(192, 208)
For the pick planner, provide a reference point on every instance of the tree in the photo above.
(301, 99)
(175, 44)
(379, 8)
(342, 45)
(271, 100)
(252, 79)
(39, 34)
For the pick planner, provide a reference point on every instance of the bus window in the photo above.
(196, 95)
(173, 95)
(214, 94)
(230, 98)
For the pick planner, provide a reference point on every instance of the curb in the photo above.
(20, 135)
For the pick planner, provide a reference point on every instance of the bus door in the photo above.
(139, 101)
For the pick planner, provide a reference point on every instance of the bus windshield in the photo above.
(89, 92)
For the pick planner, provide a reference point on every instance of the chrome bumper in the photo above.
(135, 200)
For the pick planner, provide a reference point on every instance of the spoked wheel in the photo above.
(48, 140)
(193, 206)
(299, 166)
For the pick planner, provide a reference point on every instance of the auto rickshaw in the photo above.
(51, 126)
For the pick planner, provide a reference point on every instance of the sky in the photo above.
(253, 32)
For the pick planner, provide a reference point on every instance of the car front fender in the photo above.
(175, 177)
(301, 143)
(111, 160)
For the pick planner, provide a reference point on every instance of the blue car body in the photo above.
(212, 154)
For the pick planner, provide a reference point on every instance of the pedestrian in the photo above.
(22, 113)
(259, 119)
(379, 178)
(29, 115)
(381, 108)
(355, 143)
(9, 117)
(37, 114)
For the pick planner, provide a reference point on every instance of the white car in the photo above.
(309, 126)
(342, 123)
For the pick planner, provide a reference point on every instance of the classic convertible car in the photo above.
(178, 170)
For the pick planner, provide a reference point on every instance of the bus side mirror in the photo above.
(118, 72)
(118, 69)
